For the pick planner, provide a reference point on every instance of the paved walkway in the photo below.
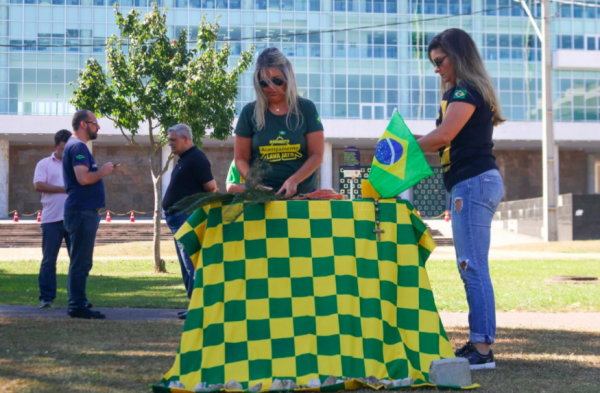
(499, 237)
(115, 314)
(448, 253)
(569, 321)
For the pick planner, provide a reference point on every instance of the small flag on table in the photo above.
(398, 163)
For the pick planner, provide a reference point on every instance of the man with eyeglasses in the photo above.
(86, 196)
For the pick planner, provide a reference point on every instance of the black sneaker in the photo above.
(89, 305)
(477, 361)
(463, 349)
(182, 315)
(86, 313)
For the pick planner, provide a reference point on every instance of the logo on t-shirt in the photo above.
(460, 94)
(280, 150)
(282, 133)
(318, 118)
(80, 156)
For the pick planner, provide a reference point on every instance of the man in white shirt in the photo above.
(48, 180)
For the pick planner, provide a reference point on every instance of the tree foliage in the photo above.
(157, 80)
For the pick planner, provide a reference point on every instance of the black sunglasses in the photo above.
(439, 61)
(276, 81)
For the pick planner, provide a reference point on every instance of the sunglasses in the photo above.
(92, 122)
(276, 81)
(439, 61)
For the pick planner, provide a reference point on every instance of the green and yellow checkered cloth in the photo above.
(302, 289)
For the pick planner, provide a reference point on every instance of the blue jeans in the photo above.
(474, 202)
(53, 234)
(82, 226)
(188, 271)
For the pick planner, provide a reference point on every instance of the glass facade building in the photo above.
(353, 58)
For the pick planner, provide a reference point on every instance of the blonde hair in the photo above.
(468, 66)
(273, 58)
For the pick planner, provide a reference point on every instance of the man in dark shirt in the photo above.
(191, 175)
(85, 190)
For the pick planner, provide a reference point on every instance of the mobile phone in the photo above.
(116, 165)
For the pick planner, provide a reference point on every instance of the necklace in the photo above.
(276, 109)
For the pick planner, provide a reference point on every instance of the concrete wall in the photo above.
(521, 169)
(220, 159)
(23, 159)
(573, 172)
(577, 217)
(130, 186)
(4, 177)
(522, 173)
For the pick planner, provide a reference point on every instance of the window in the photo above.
(566, 42)
(592, 42)
(391, 6)
(340, 5)
(372, 111)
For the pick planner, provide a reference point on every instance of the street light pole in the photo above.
(550, 197)
(549, 194)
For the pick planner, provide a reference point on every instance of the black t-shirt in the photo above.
(89, 197)
(188, 178)
(470, 153)
(283, 148)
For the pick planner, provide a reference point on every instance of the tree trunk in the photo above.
(159, 264)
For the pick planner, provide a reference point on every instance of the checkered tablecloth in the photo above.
(303, 289)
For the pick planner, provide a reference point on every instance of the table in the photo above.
(304, 290)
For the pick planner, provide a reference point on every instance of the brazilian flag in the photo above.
(398, 163)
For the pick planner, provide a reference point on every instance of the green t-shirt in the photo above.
(283, 148)
(233, 176)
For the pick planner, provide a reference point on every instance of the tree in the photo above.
(156, 82)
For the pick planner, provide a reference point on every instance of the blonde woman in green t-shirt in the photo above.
(280, 129)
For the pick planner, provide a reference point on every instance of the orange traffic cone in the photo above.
(39, 217)
(108, 216)
(132, 218)
(16, 217)
(447, 218)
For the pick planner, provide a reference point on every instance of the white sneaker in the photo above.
(46, 304)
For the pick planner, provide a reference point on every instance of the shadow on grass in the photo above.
(50, 355)
(152, 291)
(539, 360)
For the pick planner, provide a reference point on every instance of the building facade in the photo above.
(358, 60)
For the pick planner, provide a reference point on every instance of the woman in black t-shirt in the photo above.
(463, 138)
(280, 129)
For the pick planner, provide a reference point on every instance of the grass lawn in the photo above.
(123, 283)
(519, 285)
(92, 356)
